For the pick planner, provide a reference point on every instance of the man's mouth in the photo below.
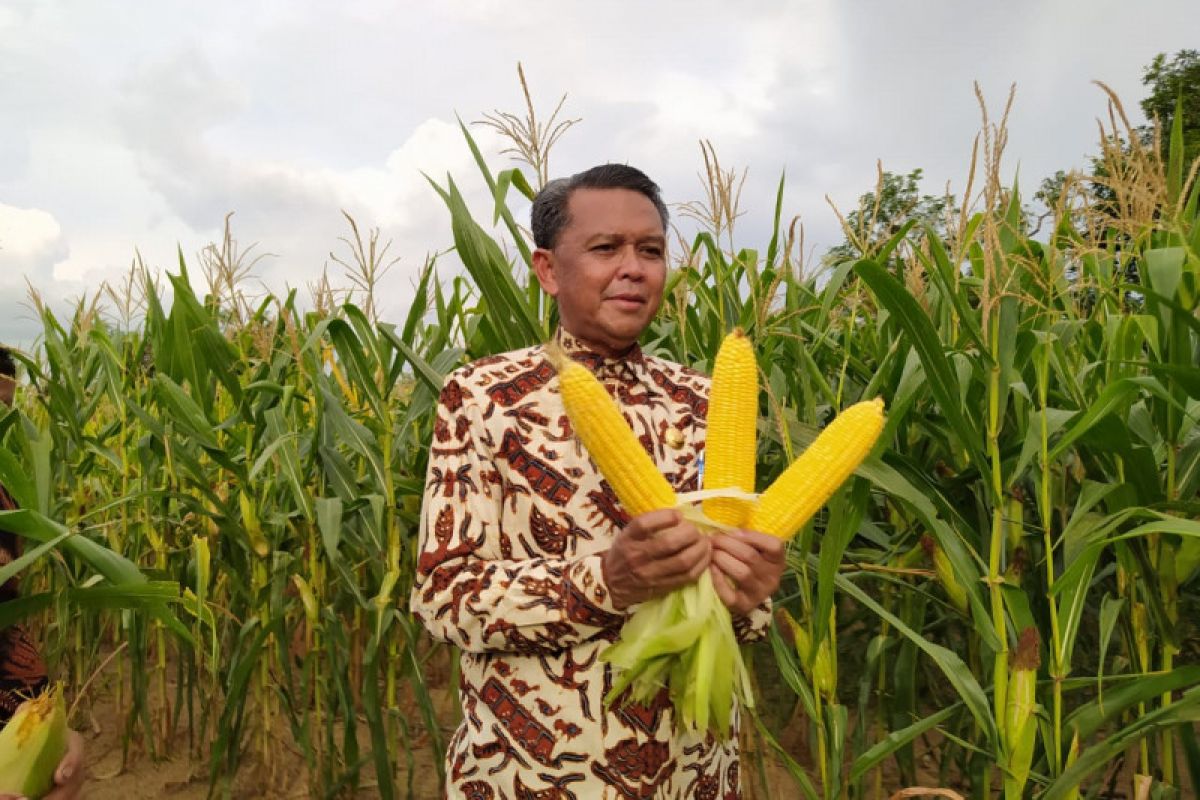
(629, 301)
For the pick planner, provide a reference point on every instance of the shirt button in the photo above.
(674, 438)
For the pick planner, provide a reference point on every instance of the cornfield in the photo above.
(221, 493)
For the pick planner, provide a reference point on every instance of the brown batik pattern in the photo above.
(514, 524)
(22, 673)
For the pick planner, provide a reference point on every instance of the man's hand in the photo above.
(68, 778)
(655, 553)
(746, 568)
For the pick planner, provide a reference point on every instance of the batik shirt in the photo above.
(514, 524)
(21, 671)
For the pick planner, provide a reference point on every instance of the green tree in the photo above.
(1171, 81)
(881, 213)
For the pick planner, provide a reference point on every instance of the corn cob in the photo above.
(677, 639)
(732, 419)
(818, 666)
(1020, 722)
(32, 745)
(945, 573)
(610, 442)
(803, 488)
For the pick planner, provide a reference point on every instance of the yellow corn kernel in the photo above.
(32, 744)
(811, 479)
(729, 453)
(610, 442)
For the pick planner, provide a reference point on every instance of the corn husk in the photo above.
(1020, 718)
(683, 641)
(32, 745)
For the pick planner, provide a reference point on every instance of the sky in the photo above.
(135, 128)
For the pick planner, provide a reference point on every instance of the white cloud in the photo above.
(145, 136)
(30, 240)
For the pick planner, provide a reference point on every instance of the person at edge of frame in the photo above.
(22, 674)
(526, 560)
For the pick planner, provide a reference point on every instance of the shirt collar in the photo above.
(625, 367)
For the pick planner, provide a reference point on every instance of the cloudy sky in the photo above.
(137, 126)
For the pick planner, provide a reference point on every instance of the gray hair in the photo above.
(549, 214)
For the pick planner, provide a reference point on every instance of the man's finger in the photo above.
(725, 591)
(646, 525)
(739, 571)
(676, 567)
(771, 548)
(72, 761)
(735, 547)
(673, 540)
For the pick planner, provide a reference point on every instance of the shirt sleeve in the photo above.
(467, 591)
(22, 673)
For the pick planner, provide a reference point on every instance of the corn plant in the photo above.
(1006, 586)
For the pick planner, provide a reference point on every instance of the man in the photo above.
(22, 674)
(528, 563)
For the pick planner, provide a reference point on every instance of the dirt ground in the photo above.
(179, 776)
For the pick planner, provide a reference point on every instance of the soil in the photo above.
(177, 775)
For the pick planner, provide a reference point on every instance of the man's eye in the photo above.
(603, 248)
(653, 252)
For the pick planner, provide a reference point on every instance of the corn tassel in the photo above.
(610, 441)
(732, 422)
(796, 495)
(32, 745)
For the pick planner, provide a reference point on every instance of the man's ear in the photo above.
(547, 270)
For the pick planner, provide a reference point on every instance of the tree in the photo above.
(1171, 81)
(881, 213)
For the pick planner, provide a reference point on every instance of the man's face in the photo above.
(607, 268)
(7, 387)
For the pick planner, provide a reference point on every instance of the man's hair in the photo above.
(8, 367)
(549, 215)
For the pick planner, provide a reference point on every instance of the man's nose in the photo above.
(631, 266)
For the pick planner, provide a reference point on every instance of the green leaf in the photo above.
(1115, 398)
(33, 525)
(14, 567)
(1092, 717)
(943, 382)
(13, 611)
(1175, 153)
(947, 661)
(427, 374)
(1110, 615)
(1071, 589)
(889, 744)
(515, 323)
(17, 480)
(185, 413)
(513, 229)
(845, 515)
(965, 569)
(1183, 711)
